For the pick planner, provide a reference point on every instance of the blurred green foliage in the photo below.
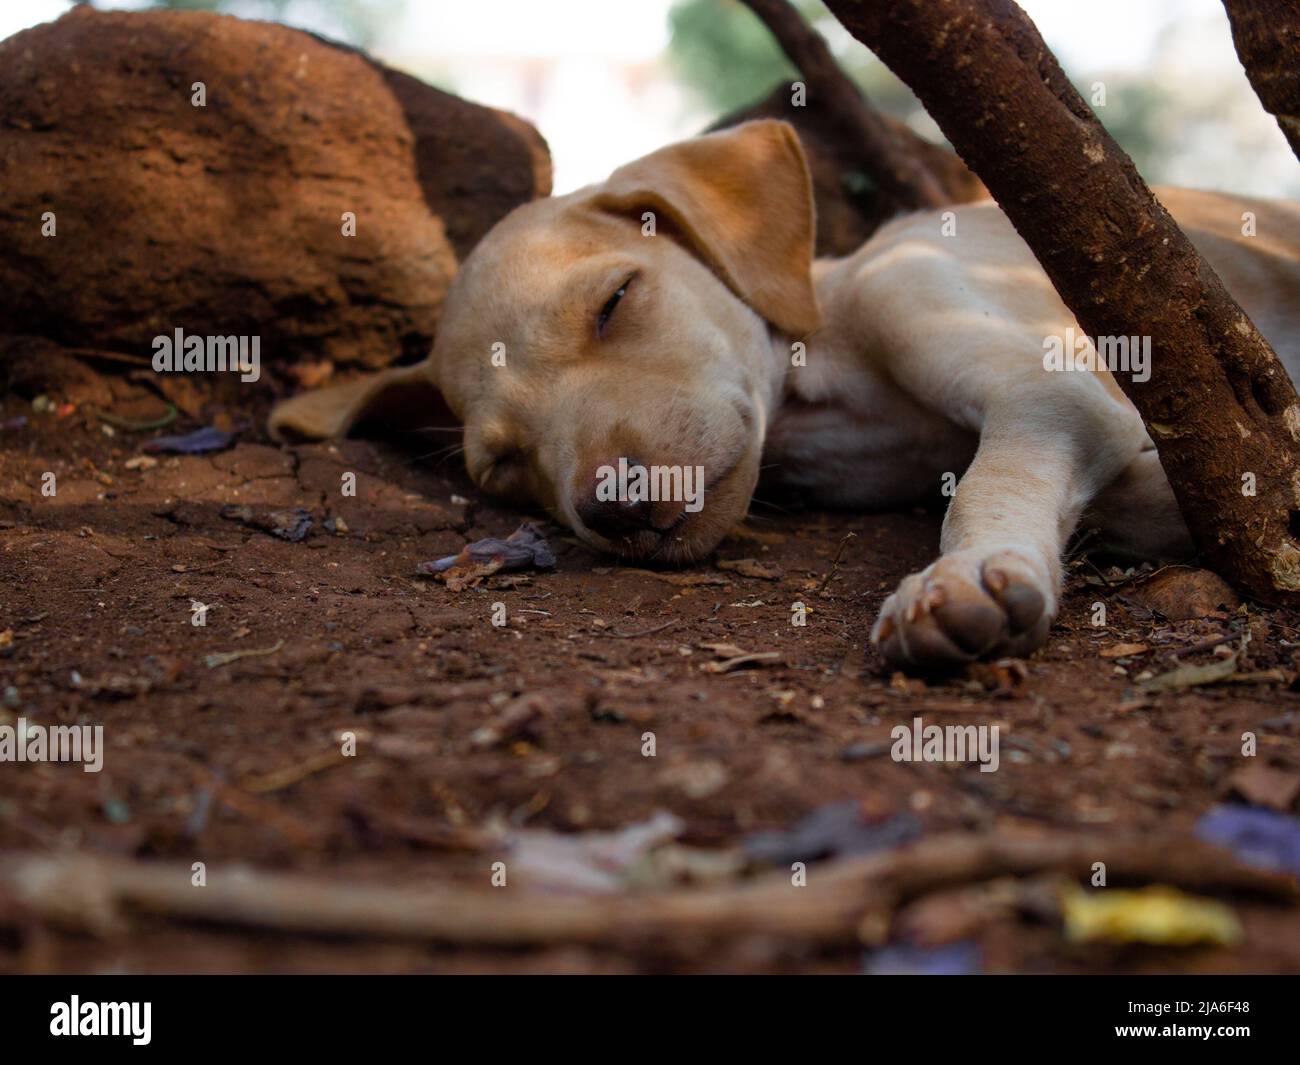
(727, 59)
(724, 54)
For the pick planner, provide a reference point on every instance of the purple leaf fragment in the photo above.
(839, 830)
(906, 959)
(524, 548)
(209, 438)
(292, 525)
(1259, 837)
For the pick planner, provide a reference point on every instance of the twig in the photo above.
(1204, 645)
(260, 811)
(899, 172)
(224, 658)
(127, 425)
(835, 562)
(1259, 676)
(843, 901)
(111, 356)
(736, 661)
(282, 778)
(618, 635)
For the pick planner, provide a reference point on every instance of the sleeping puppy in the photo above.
(673, 318)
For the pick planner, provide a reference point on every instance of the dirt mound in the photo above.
(168, 170)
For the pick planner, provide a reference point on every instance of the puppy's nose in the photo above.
(615, 516)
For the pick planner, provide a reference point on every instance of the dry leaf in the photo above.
(518, 718)
(723, 650)
(1006, 676)
(901, 682)
(1123, 650)
(1265, 786)
(1192, 676)
(752, 567)
(744, 532)
(1181, 594)
(524, 547)
(1157, 914)
(760, 658)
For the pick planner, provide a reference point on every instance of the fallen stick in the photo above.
(620, 635)
(843, 901)
(259, 783)
(224, 658)
(258, 810)
(835, 562)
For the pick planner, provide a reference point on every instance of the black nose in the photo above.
(615, 518)
(618, 519)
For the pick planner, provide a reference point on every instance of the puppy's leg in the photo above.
(961, 324)
(1138, 515)
(994, 590)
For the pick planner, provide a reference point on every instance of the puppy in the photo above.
(673, 318)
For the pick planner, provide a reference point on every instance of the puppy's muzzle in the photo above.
(628, 524)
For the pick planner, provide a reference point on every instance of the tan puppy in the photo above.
(657, 319)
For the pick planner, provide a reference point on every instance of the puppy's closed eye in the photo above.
(501, 463)
(607, 311)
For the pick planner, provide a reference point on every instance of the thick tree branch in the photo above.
(901, 173)
(1267, 36)
(1218, 404)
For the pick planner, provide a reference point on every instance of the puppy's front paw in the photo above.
(966, 606)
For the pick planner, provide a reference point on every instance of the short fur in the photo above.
(924, 356)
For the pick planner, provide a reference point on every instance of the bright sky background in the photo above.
(590, 75)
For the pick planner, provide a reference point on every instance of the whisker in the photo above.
(441, 455)
(768, 503)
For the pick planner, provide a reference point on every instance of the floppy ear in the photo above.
(405, 396)
(742, 201)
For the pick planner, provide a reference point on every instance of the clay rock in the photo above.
(850, 207)
(474, 164)
(227, 219)
(1181, 593)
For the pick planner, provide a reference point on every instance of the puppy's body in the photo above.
(923, 330)
(931, 362)
(654, 318)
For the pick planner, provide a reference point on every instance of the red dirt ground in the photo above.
(96, 589)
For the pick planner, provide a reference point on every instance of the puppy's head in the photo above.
(611, 352)
(627, 327)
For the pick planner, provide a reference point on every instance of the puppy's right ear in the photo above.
(401, 397)
(742, 201)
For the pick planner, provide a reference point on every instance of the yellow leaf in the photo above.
(1157, 914)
